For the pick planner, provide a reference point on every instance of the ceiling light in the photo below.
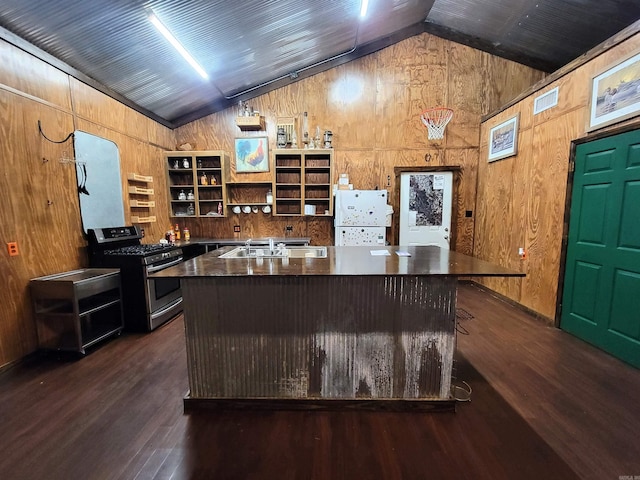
(363, 8)
(177, 45)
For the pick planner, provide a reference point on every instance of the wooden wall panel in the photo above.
(533, 185)
(503, 82)
(101, 109)
(39, 212)
(27, 75)
(372, 105)
(40, 203)
(467, 160)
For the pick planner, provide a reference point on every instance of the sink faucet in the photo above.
(247, 244)
(271, 247)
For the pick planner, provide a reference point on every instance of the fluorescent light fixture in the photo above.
(364, 7)
(176, 44)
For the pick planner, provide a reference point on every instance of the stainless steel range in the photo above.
(147, 302)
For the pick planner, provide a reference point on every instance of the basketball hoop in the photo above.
(435, 119)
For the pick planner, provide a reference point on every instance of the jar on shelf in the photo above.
(269, 197)
(182, 195)
(282, 138)
(190, 195)
(176, 164)
(185, 163)
(191, 209)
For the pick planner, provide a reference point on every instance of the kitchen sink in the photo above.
(277, 252)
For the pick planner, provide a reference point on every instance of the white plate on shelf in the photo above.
(236, 209)
(246, 209)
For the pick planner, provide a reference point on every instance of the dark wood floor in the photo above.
(544, 406)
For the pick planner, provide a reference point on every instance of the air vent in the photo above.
(546, 101)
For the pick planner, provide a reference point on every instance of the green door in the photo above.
(601, 298)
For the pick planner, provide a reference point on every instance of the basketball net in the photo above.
(436, 119)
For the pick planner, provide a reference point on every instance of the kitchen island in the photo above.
(363, 324)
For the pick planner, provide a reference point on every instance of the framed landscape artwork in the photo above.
(252, 154)
(615, 94)
(503, 139)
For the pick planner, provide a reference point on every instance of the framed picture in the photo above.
(503, 139)
(615, 94)
(252, 154)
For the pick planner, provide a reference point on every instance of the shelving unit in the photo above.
(77, 309)
(140, 198)
(251, 194)
(197, 183)
(303, 179)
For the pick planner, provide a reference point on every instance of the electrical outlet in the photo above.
(522, 252)
(236, 229)
(289, 228)
(12, 248)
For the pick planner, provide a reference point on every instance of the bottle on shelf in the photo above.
(219, 208)
(182, 195)
(191, 209)
(176, 231)
(185, 163)
(269, 197)
(190, 195)
(170, 236)
(186, 235)
(203, 179)
(213, 180)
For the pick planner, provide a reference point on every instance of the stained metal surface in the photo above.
(320, 337)
(253, 46)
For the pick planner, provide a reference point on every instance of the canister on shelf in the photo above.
(186, 235)
(282, 138)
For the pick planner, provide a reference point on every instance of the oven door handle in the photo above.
(164, 265)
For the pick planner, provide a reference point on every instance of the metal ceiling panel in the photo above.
(251, 46)
(556, 31)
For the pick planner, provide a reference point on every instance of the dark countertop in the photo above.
(343, 261)
(242, 241)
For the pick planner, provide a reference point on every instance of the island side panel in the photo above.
(329, 337)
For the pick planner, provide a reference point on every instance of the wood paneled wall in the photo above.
(521, 200)
(40, 208)
(372, 106)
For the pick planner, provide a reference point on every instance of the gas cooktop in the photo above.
(142, 249)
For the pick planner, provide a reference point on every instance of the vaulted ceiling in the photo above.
(248, 47)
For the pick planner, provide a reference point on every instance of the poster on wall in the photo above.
(426, 194)
(615, 94)
(503, 139)
(252, 155)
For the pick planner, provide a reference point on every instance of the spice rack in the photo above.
(140, 198)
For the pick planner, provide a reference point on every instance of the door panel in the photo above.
(425, 208)
(601, 298)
